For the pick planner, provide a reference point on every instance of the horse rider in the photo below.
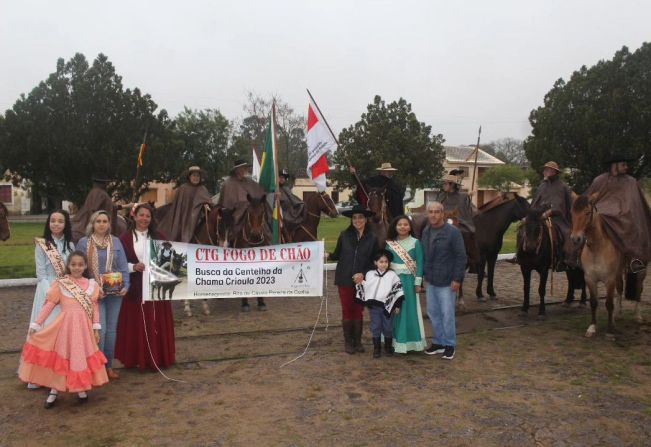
(97, 199)
(294, 211)
(191, 200)
(233, 200)
(233, 203)
(452, 198)
(625, 212)
(556, 197)
(395, 192)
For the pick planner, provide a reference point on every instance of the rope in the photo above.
(324, 298)
(151, 355)
(548, 221)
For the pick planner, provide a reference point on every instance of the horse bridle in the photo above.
(383, 207)
(322, 197)
(245, 237)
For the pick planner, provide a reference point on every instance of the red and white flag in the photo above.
(320, 141)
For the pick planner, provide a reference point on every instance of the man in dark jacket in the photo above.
(395, 193)
(556, 197)
(445, 264)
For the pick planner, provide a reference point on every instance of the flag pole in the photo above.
(359, 182)
(474, 169)
(141, 155)
(277, 188)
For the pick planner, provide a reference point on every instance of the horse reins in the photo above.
(244, 235)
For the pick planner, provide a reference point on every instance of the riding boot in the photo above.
(358, 326)
(377, 347)
(388, 346)
(349, 343)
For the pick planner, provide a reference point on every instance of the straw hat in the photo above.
(452, 179)
(552, 165)
(386, 167)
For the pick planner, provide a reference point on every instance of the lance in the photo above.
(474, 169)
(359, 182)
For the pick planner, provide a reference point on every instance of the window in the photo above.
(6, 193)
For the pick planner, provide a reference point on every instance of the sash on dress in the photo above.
(82, 297)
(404, 255)
(53, 255)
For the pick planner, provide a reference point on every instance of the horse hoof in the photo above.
(206, 311)
(566, 303)
(583, 304)
(524, 314)
(639, 319)
(542, 317)
(591, 331)
(262, 307)
(493, 298)
(188, 312)
(246, 308)
(610, 336)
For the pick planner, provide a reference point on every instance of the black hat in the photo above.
(284, 173)
(101, 178)
(357, 209)
(616, 157)
(238, 164)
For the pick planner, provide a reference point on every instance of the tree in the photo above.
(601, 110)
(205, 137)
(291, 127)
(390, 133)
(510, 150)
(503, 177)
(78, 123)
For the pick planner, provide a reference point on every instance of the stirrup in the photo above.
(636, 266)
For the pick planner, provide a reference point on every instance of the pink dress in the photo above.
(64, 354)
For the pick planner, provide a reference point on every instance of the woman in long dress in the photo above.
(64, 356)
(145, 335)
(408, 331)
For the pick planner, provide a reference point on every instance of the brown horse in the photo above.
(315, 205)
(5, 229)
(381, 218)
(600, 259)
(254, 232)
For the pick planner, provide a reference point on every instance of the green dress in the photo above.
(408, 331)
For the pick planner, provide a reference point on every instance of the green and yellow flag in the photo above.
(269, 173)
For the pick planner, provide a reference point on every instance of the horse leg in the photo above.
(186, 308)
(526, 276)
(541, 291)
(638, 295)
(461, 304)
(206, 309)
(245, 305)
(261, 305)
(619, 287)
(480, 277)
(594, 302)
(491, 276)
(569, 297)
(610, 306)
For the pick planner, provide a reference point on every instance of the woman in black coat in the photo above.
(354, 255)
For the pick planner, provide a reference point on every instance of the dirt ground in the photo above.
(514, 382)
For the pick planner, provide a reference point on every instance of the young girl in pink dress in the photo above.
(64, 355)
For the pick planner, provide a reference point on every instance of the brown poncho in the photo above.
(459, 201)
(555, 194)
(97, 199)
(626, 214)
(180, 223)
(232, 197)
(293, 208)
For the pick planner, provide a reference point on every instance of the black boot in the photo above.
(388, 346)
(358, 326)
(377, 348)
(349, 342)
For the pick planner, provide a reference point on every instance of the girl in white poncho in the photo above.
(381, 291)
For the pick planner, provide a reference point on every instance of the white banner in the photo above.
(181, 271)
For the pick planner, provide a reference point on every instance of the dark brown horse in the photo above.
(5, 229)
(315, 205)
(534, 252)
(491, 223)
(381, 218)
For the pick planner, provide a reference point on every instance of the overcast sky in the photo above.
(461, 64)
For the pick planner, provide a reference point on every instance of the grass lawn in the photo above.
(17, 254)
